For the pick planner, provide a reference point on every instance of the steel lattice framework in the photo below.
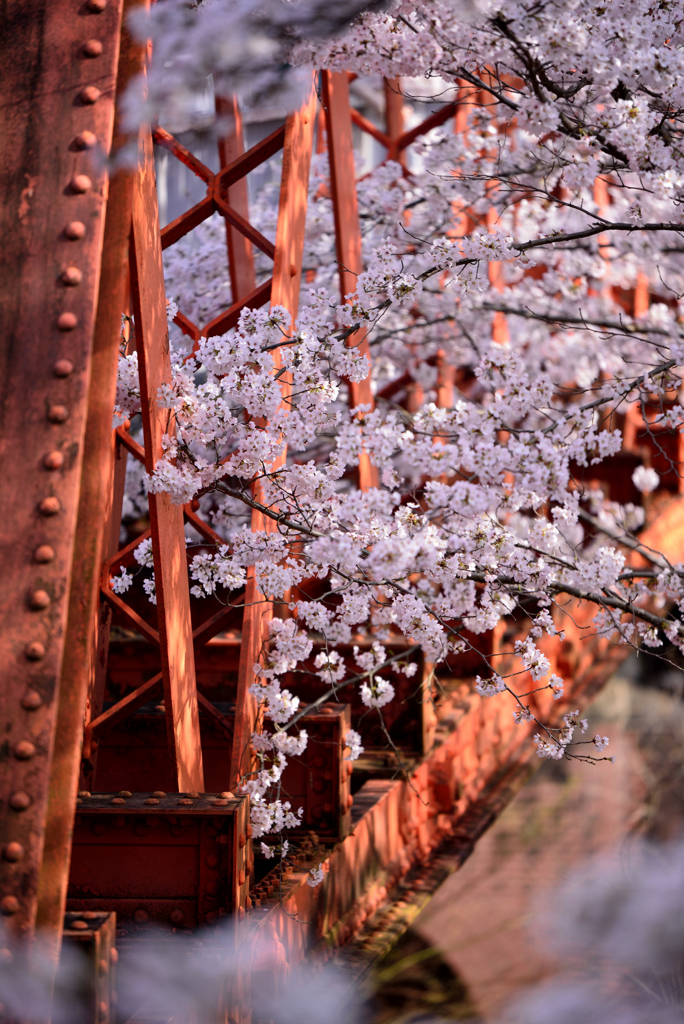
(81, 248)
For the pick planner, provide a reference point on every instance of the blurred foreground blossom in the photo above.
(618, 925)
(186, 976)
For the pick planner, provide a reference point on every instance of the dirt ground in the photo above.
(474, 948)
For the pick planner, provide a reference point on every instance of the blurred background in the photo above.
(473, 949)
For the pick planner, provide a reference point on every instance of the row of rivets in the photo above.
(39, 599)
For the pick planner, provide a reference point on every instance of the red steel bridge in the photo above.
(125, 729)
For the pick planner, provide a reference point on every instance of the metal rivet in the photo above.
(159, 793)
(75, 230)
(114, 956)
(219, 803)
(67, 321)
(212, 861)
(63, 368)
(242, 839)
(58, 413)
(228, 796)
(9, 905)
(84, 140)
(96, 6)
(20, 801)
(44, 553)
(117, 800)
(24, 750)
(71, 277)
(241, 878)
(122, 792)
(13, 852)
(39, 600)
(49, 506)
(80, 926)
(31, 700)
(141, 916)
(151, 800)
(35, 651)
(92, 48)
(80, 183)
(53, 460)
(176, 916)
(90, 94)
(83, 792)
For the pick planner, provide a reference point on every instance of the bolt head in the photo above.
(20, 801)
(140, 916)
(49, 506)
(80, 183)
(89, 95)
(35, 651)
(92, 48)
(31, 700)
(24, 750)
(67, 321)
(39, 600)
(84, 140)
(13, 852)
(53, 460)
(63, 367)
(71, 277)
(9, 905)
(44, 553)
(176, 916)
(58, 414)
(75, 230)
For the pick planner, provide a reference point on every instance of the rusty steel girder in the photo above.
(59, 61)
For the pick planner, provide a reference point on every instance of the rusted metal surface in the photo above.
(226, 194)
(231, 147)
(177, 859)
(335, 96)
(91, 942)
(56, 126)
(97, 530)
(287, 275)
(166, 519)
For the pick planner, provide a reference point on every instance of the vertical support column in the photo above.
(231, 146)
(56, 129)
(394, 118)
(335, 87)
(287, 276)
(92, 529)
(166, 519)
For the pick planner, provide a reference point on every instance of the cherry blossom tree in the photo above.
(537, 251)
